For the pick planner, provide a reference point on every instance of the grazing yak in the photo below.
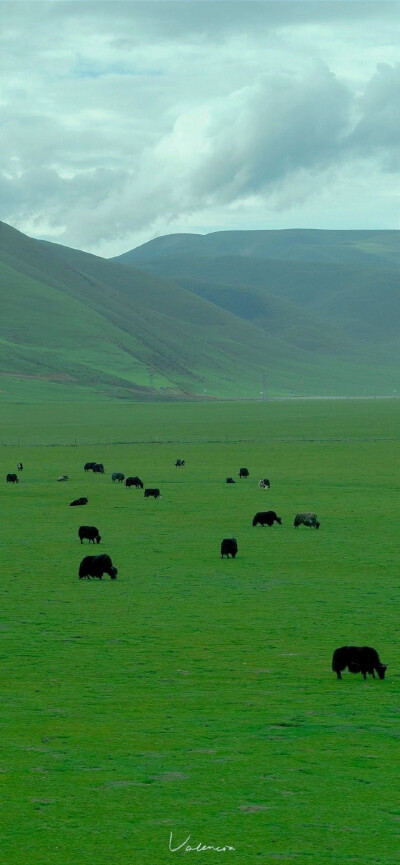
(98, 469)
(243, 473)
(230, 481)
(264, 484)
(306, 520)
(88, 467)
(76, 502)
(12, 479)
(266, 518)
(90, 533)
(229, 547)
(20, 467)
(152, 493)
(63, 478)
(180, 464)
(117, 476)
(359, 659)
(134, 482)
(96, 566)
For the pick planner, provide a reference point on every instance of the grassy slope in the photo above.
(108, 326)
(195, 695)
(186, 341)
(371, 248)
(361, 301)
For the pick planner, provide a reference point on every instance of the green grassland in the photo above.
(195, 695)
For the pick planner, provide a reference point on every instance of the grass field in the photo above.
(194, 695)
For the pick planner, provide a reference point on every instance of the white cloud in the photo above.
(126, 120)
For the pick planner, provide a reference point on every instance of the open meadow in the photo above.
(195, 695)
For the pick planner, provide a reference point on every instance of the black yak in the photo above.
(117, 476)
(88, 467)
(180, 464)
(81, 501)
(20, 467)
(12, 479)
(229, 547)
(134, 482)
(306, 520)
(90, 533)
(96, 566)
(98, 469)
(266, 518)
(154, 493)
(230, 481)
(358, 659)
(243, 473)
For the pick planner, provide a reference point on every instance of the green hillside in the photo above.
(372, 248)
(76, 323)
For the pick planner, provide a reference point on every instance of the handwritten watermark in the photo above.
(185, 847)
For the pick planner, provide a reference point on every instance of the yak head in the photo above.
(381, 670)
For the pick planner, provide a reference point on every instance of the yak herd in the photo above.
(357, 659)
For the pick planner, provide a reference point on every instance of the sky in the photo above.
(125, 121)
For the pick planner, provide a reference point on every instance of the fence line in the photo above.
(19, 443)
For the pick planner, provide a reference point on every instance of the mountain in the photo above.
(333, 293)
(372, 248)
(181, 326)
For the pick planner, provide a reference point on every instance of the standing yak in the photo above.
(134, 482)
(229, 547)
(91, 533)
(306, 519)
(358, 659)
(266, 518)
(96, 566)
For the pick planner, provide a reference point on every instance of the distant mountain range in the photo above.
(232, 314)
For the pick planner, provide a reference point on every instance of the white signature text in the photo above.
(199, 848)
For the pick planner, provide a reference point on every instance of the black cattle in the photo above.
(98, 469)
(81, 501)
(96, 566)
(179, 464)
(229, 547)
(20, 467)
(306, 520)
(89, 533)
(88, 467)
(117, 476)
(243, 473)
(230, 481)
(358, 659)
(266, 518)
(134, 482)
(155, 494)
(12, 479)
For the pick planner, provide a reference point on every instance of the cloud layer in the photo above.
(122, 121)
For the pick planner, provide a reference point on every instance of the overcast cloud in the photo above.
(122, 121)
